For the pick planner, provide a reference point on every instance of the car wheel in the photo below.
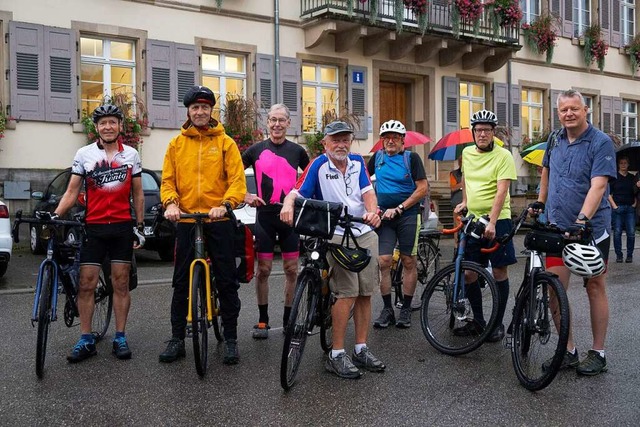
(166, 253)
(3, 268)
(35, 242)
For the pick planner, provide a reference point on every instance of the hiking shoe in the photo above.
(231, 355)
(471, 328)
(619, 259)
(261, 331)
(593, 364)
(629, 259)
(497, 334)
(342, 366)
(174, 351)
(570, 360)
(386, 318)
(121, 348)
(84, 349)
(366, 360)
(404, 319)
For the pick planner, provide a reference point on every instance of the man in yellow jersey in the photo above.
(487, 172)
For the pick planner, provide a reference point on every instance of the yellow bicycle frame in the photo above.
(207, 276)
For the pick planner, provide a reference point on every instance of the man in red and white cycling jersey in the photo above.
(111, 173)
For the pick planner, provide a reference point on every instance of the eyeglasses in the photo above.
(396, 138)
(481, 131)
(274, 120)
(347, 184)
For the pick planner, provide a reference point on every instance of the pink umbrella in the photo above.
(410, 139)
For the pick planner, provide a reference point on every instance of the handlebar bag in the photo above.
(544, 241)
(316, 218)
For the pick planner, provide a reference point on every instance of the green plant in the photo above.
(468, 11)
(633, 49)
(135, 118)
(540, 35)
(314, 140)
(595, 49)
(241, 117)
(504, 13)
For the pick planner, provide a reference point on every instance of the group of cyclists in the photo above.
(203, 171)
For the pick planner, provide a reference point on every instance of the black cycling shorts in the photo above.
(268, 225)
(115, 240)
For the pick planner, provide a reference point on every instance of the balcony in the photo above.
(402, 33)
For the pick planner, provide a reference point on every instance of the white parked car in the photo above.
(6, 242)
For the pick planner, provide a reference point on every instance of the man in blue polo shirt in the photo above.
(577, 167)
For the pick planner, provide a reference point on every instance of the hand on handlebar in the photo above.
(489, 231)
(47, 216)
(578, 231)
(138, 238)
(218, 213)
(172, 213)
(372, 219)
(536, 208)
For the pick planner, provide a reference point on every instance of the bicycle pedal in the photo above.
(508, 342)
(189, 332)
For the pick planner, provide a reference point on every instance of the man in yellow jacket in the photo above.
(202, 172)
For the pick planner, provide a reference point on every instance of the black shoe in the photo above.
(231, 355)
(471, 328)
(497, 334)
(629, 259)
(404, 319)
(619, 259)
(83, 350)
(121, 348)
(174, 351)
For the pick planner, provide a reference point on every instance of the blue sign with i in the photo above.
(358, 77)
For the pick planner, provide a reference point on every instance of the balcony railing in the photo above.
(438, 19)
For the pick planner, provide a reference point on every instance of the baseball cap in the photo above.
(337, 127)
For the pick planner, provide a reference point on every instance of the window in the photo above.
(532, 108)
(530, 10)
(471, 100)
(629, 121)
(628, 24)
(588, 100)
(581, 16)
(107, 67)
(226, 75)
(319, 94)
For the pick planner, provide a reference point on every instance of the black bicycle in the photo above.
(311, 305)
(59, 273)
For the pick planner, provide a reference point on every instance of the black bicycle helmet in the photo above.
(107, 110)
(352, 259)
(199, 94)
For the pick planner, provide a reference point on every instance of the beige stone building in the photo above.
(369, 58)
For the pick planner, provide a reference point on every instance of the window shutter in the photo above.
(516, 112)
(60, 69)
(160, 87)
(606, 112)
(567, 18)
(617, 116)
(290, 90)
(186, 66)
(555, 119)
(555, 7)
(615, 23)
(451, 104)
(605, 18)
(357, 79)
(265, 85)
(500, 102)
(27, 71)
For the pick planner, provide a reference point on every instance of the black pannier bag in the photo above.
(316, 218)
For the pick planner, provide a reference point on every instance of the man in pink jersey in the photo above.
(111, 172)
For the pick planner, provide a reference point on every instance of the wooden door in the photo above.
(393, 101)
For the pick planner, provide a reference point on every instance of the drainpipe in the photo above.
(509, 106)
(276, 53)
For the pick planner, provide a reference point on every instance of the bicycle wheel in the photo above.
(216, 321)
(536, 340)
(449, 323)
(102, 311)
(297, 330)
(47, 287)
(326, 323)
(428, 264)
(396, 284)
(199, 319)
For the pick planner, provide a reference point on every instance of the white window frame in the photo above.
(472, 99)
(223, 75)
(629, 121)
(581, 16)
(107, 62)
(528, 103)
(319, 85)
(627, 9)
(530, 10)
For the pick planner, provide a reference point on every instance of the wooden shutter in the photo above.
(516, 113)
(290, 91)
(553, 102)
(606, 113)
(567, 18)
(605, 19)
(616, 110)
(500, 102)
(27, 71)
(186, 66)
(451, 104)
(265, 85)
(160, 87)
(357, 78)
(61, 71)
(615, 23)
(556, 7)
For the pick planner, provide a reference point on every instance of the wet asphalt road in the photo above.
(420, 386)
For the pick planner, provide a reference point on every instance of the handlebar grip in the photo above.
(491, 249)
(452, 230)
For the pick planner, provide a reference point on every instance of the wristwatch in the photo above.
(582, 217)
(401, 207)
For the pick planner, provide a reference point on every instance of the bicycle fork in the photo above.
(207, 276)
(54, 291)
(460, 303)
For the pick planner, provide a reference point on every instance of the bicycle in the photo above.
(59, 273)
(428, 263)
(448, 320)
(311, 305)
(541, 302)
(204, 303)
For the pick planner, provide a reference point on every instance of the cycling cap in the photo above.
(583, 260)
(352, 259)
(393, 126)
(199, 94)
(108, 110)
(484, 116)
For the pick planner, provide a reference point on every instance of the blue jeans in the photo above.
(624, 218)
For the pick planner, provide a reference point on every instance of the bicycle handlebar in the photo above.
(39, 221)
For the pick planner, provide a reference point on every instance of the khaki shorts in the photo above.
(346, 284)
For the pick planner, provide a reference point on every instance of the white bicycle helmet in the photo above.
(393, 126)
(583, 260)
(484, 116)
